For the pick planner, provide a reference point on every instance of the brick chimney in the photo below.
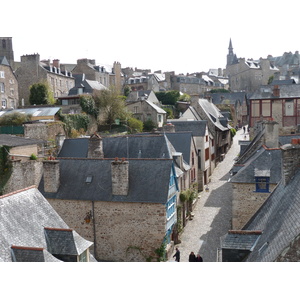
(271, 134)
(95, 147)
(56, 63)
(51, 176)
(120, 177)
(290, 160)
(276, 91)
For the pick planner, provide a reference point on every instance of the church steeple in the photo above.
(231, 57)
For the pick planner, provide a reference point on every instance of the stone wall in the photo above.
(246, 202)
(123, 231)
(24, 174)
(44, 131)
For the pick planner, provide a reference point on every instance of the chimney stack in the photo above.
(271, 134)
(95, 147)
(51, 176)
(290, 160)
(120, 177)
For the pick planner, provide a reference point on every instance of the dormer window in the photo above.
(262, 184)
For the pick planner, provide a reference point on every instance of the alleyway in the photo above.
(212, 214)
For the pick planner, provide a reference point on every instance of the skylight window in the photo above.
(89, 179)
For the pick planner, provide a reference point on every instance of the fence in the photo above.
(11, 129)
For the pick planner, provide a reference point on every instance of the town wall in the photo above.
(120, 231)
(246, 202)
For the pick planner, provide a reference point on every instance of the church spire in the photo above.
(231, 57)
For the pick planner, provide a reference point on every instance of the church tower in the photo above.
(231, 57)
(6, 49)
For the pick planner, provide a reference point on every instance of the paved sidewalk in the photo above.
(212, 214)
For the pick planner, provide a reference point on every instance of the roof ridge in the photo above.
(18, 191)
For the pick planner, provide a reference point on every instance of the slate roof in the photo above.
(157, 108)
(263, 160)
(197, 128)
(30, 254)
(88, 85)
(144, 175)
(15, 141)
(131, 146)
(213, 113)
(65, 241)
(4, 61)
(23, 216)
(287, 139)
(279, 220)
(286, 91)
(240, 239)
(182, 143)
(232, 98)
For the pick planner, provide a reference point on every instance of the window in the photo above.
(207, 154)
(3, 103)
(289, 107)
(2, 74)
(262, 184)
(135, 109)
(159, 118)
(171, 207)
(266, 108)
(255, 108)
(2, 88)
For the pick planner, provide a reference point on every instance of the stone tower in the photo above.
(6, 49)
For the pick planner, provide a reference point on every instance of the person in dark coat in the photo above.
(192, 257)
(199, 258)
(177, 255)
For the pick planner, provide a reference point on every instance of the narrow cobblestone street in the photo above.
(212, 213)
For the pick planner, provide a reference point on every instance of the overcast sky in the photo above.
(182, 36)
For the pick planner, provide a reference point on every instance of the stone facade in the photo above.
(32, 70)
(246, 202)
(120, 231)
(9, 96)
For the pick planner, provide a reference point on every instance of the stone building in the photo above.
(105, 74)
(9, 95)
(145, 106)
(32, 70)
(114, 204)
(256, 174)
(125, 227)
(217, 125)
(278, 102)
(272, 234)
(247, 74)
(32, 231)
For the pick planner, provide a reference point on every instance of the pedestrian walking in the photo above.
(244, 128)
(199, 258)
(177, 255)
(192, 257)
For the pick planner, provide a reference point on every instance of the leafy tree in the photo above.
(88, 106)
(127, 91)
(135, 125)
(149, 125)
(14, 118)
(168, 98)
(111, 105)
(169, 112)
(40, 94)
(185, 98)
